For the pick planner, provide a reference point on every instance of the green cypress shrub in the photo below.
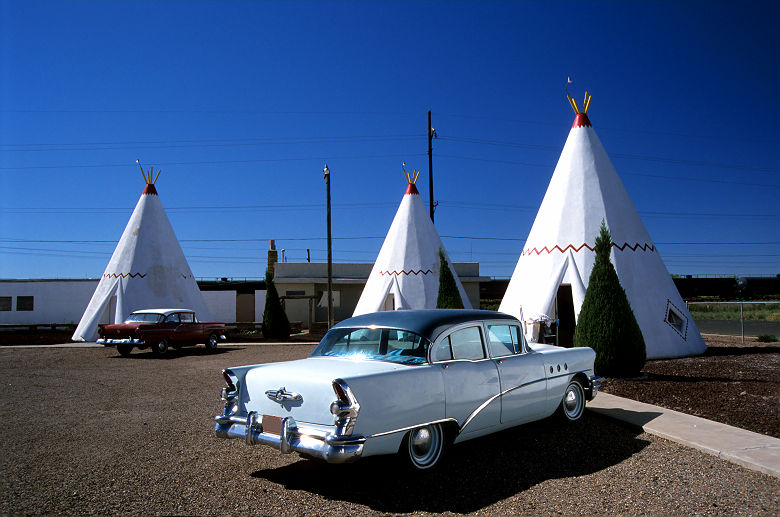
(606, 322)
(448, 297)
(275, 322)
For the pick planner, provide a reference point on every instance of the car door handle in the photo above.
(499, 361)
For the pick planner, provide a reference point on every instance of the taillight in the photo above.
(345, 408)
(341, 394)
(228, 381)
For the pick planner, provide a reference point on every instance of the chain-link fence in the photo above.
(737, 318)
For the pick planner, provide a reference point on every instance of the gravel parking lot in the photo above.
(88, 431)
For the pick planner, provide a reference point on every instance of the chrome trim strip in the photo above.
(480, 408)
(494, 397)
(409, 428)
(125, 341)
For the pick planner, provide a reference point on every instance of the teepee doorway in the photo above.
(564, 316)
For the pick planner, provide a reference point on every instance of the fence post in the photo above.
(742, 323)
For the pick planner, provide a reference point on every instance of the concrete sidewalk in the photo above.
(746, 448)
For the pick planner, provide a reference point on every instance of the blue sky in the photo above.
(242, 103)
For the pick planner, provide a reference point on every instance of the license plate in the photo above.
(272, 425)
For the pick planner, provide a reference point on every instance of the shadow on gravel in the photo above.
(475, 474)
(716, 351)
(174, 353)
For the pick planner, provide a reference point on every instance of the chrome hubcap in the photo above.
(425, 446)
(573, 401)
(421, 441)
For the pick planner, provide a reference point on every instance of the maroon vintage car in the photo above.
(160, 329)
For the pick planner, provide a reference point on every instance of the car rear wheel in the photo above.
(124, 350)
(212, 342)
(160, 348)
(424, 446)
(573, 403)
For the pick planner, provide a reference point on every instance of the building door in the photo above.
(245, 307)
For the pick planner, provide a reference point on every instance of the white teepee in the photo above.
(406, 272)
(584, 190)
(147, 270)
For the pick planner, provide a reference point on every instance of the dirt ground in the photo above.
(733, 383)
(88, 431)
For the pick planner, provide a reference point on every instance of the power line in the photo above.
(182, 144)
(216, 162)
(676, 178)
(661, 159)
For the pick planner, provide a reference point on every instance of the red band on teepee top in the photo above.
(150, 189)
(581, 120)
(412, 189)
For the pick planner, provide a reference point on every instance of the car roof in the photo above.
(427, 323)
(164, 312)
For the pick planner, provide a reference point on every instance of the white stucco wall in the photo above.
(222, 305)
(54, 301)
(259, 305)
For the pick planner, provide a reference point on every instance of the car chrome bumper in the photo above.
(125, 341)
(595, 385)
(293, 438)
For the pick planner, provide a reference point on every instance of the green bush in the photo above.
(766, 338)
(275, 322)
(449, 297)
(606, 322)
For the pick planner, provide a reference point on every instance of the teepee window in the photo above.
(676, 319)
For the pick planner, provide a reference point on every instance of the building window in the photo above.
(24, 303)
(5, 303)
(295, 293)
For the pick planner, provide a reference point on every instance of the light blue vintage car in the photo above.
(408, 382)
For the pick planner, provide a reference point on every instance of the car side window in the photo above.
(518, 339)
(501, 340)
(443, 351)
(172, 318)
(467, 344)
(187, 317)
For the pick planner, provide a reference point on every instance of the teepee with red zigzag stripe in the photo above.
(584, 190)
(406, 272)
(148, 269)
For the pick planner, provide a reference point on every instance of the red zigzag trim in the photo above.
(124, 275)
(404, 272)
(625, 245)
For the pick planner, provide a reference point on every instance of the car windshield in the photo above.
(395, 345)
(144, 316)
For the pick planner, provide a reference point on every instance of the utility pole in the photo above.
(431, 134)
(326, 172)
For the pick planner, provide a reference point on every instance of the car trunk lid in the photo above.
(304, 389)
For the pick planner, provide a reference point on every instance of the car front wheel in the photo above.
(212, 342)
(573, 404)
(160, 348)
(124, 350)
(424, 446)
